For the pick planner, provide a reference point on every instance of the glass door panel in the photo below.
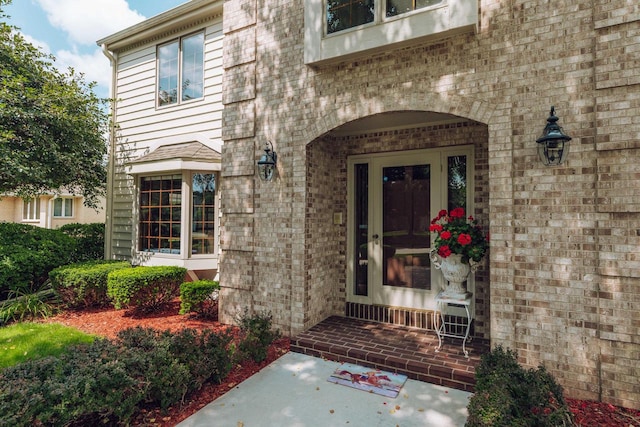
(406, 207)
(361, 229)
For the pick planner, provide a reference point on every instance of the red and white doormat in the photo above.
(368, 379)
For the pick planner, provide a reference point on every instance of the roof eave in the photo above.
(159, 24)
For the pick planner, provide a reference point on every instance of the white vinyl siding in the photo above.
(141, 123)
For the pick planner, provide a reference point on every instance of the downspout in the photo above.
(50, 212)
(111, 168)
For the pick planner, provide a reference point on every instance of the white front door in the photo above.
(392, 200)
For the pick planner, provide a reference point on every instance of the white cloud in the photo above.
(95, 66)
(86, 21)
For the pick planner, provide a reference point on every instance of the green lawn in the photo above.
(24, 341)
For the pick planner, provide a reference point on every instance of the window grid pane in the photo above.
(159, 218)
(192, 67)
(344, 14)
(398, 7)
(457, 182)
(181, 70)
(31, 209)
(203, 216)
(168, 74)
(63, 207)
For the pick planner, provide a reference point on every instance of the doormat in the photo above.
(368, 379)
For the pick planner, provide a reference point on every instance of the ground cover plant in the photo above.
(20, 342)
(144, 376)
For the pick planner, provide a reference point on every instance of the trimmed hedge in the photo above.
(28, 254)
(144, 287)
(199, 297)
(506, 394)
(84, 284)
(106, 382)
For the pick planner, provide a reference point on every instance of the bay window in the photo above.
(177, 214)
(345, 14)
(336, 30)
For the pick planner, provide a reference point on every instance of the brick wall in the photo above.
(563, 287)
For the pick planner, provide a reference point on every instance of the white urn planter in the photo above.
(455, 272)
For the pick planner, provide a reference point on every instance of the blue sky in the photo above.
(68, 29)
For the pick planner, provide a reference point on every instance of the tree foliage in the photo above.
(52, 125)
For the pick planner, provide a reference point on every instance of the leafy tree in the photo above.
(52, 125)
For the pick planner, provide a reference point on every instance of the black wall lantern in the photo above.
(267, 163)
(553, 145)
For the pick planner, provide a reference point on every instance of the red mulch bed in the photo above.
(108, 322)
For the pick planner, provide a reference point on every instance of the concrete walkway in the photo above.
(293, 391)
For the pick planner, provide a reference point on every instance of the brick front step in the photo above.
(393, 348)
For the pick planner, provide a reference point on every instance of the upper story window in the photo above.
(181, 70)
(397, 7)
(345, 14)
(31, 209)
(63, 207)
(337, 30)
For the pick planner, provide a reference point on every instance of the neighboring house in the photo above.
(49, 210)
(163, 205)
(382, 113)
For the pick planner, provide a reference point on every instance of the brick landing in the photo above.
(393, 348)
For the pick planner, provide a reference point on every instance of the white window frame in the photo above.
(450, 17)
(179, 41)
(31, 209)
(63, 210)
(185, 258)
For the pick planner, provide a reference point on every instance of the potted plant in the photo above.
(459, 247)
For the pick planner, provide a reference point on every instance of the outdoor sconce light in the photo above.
(553, 145)
(267, 163)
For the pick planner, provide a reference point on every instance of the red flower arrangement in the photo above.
(457, 234)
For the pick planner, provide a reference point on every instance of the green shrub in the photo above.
(144, 287)
(257, 334)
(509, 395)
(179, 362)
(106, 382)
(84, 284)
(200, 297)
(28, 254)
(89, 240)
(89, 385)
(167, 379)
